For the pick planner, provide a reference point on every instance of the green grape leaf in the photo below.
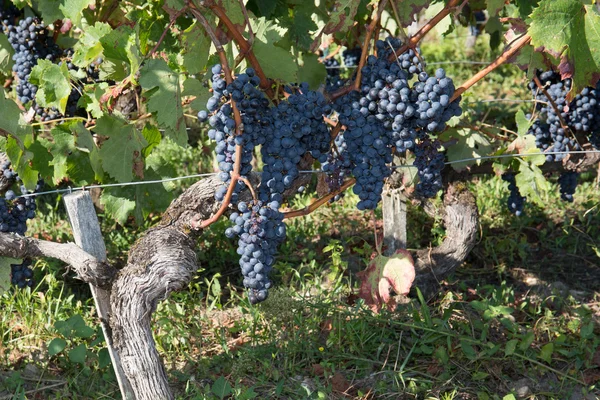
(139, 200)
(196, 48)
(530, 60)
(312, 71)
(9, 116)
(471, 144)
(193, 87)
(117, 206)
(409, 9)
(526, 7)
(531, 180)
(21, 162)
(166, 100)
(90, 99)
(61, 146)
(52, 10)
(121, 152)
(523, 124)
(384, 273)
(153, 137)
(570, 31)
(6, 53)
(53, 84)
(494, 7)
(74, 154)
(41, 160)
(234, 11)
(121, 52)
(5, 272)
(301, 25)
(266, 7)
(277, 63)
(88, 48)
(267, 31)
(340, 19)
(175, 5)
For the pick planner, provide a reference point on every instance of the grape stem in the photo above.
(235, 174)
(250, 31)
(169, 26)
(504, 57)
(365, 49)
(414, 40)
(319, 202)
(243, 44)
(563, 124)
(250, 187)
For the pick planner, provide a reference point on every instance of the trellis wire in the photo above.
(315, 171)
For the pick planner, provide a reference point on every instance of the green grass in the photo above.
(522, 309)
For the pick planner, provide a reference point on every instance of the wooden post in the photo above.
(87, 234)
(394, 220)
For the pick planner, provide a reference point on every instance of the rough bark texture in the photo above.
(461, 220)
(159, 263)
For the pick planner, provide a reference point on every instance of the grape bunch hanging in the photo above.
(397, 108)
(15, 211)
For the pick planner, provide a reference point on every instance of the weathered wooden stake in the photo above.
(87, 234)
(394, 220)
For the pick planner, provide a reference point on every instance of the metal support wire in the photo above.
(314, 171)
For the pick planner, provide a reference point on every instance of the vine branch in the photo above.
(169, 26)
(87, 267)
(505, 56)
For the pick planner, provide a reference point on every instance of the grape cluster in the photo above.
(260, 229)
(568, 183)
(298, 128)
(21, 275)
(31, 41)
(253, 107)
(582, 114)
(430, 163)
(14, 213)
(393, 110)
(351, 57)
(367, 149)
(515, 201)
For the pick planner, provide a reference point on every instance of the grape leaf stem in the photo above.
(164, 33)
(540, 86)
